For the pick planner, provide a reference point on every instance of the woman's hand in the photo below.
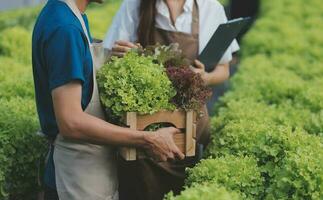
(220, 73)
(199, 68)
(120, 48)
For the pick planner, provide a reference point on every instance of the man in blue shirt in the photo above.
(65, 98)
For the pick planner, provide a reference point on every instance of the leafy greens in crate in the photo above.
(150, 80)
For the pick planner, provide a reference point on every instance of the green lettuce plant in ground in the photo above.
(20, 149)
(205, 192)
(100, 17)
(299, 176)
(274, 109)
(135, 83)
(24, 17)
(240, 174)
(16, 43)
(15, 79)
(271, 145)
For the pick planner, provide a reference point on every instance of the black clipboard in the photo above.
(220, 42)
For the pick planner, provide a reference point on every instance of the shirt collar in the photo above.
(163, 9)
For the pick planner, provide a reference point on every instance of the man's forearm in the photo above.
(94, 130)
(75, 124)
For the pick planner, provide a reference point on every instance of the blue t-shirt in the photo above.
(60, 54)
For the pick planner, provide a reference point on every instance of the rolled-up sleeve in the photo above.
(65, 52)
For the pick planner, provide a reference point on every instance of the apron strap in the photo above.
(72, 5)
(195, 19)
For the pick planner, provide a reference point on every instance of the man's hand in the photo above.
(120, 48)
(162, 146)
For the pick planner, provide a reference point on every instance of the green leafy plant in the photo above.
(135, 83)
(205, 192)
(192, 92)
(24, 17)
(21, 149)
(168, 56)
(15, 43)
(143, 90)
(273, 111)
(234, 173)
(299, 176)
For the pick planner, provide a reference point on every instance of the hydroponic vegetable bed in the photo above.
(266, 134)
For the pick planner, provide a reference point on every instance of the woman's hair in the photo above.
(147, 15)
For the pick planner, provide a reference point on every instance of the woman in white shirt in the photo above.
(190, 23)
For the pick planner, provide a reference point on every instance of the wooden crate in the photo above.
(180, 119)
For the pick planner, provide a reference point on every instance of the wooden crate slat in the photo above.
(126, 152)
(180, 141)
(190, 142)
(177, 118)
(131, 120)
(194, 131)
(180, 119)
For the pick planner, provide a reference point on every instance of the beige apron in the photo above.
(86, 171)
(150, 180)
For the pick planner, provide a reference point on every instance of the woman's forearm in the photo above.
(220, 74)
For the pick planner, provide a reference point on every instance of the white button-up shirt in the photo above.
(211, 14)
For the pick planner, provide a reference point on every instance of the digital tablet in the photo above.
(220, 42)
